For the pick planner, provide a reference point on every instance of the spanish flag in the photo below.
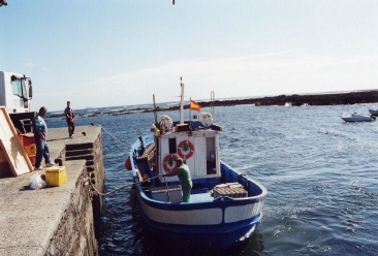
(194, 105)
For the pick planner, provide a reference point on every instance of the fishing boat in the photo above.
(225, 205)
(373, 112)
(354, 118)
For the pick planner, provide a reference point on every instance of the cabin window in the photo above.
(172, 146)
(211, 166)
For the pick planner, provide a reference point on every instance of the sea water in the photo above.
(321, 174)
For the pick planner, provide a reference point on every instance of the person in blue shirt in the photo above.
(40, 138)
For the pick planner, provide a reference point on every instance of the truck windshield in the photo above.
(19, 88)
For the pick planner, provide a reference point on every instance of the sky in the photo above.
(120, 52)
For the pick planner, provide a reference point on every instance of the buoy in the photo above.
(128, 164)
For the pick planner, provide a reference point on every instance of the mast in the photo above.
(155, 114)
(190, 111)
(181, 102)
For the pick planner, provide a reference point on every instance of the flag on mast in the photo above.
(194, 105)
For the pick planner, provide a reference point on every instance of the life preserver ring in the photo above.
(170, 163)
(185, 149)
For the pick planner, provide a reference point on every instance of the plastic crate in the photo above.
(56, 176)
(235, 190)
(172, 194)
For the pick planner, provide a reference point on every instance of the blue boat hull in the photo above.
(230, 220)
(220, 237)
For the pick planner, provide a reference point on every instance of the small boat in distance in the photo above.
(373, 112)
(354, 118)
(224, 206)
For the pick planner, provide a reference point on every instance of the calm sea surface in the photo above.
(321, 174)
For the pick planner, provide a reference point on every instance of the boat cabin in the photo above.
(196, 142)
(197, 145)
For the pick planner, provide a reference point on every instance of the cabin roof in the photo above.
(191, 126)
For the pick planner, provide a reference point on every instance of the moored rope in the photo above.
(119, 188)
(113, 136)
(122, 187)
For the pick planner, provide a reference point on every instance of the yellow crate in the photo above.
(56, 176)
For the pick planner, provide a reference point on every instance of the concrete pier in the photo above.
(56, 220)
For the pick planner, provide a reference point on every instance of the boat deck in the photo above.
(201, 197)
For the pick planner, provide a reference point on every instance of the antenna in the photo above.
(212, 98)
(181, 102)
(155, 114)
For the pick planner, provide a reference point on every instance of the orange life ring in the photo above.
(185, 149)
(170, 163)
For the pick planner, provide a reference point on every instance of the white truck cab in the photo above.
(15, 92)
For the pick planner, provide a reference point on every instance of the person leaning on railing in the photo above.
(183, 173)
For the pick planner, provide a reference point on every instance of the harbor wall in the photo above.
(75, 234)
(82, 222)
(56, 220)
(94, 172)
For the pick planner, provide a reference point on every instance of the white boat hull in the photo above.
(357, 118)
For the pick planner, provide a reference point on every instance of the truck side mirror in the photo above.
(30, 90)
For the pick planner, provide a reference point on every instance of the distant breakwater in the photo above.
(368, 96)
(341, 98)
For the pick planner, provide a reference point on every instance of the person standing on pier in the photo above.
(70, 118)
(40, 138)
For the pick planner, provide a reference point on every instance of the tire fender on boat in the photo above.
(128, 164)
(170, 163)
(133, 197)
(185, 149)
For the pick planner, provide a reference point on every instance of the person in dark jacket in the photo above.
(70, 118)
